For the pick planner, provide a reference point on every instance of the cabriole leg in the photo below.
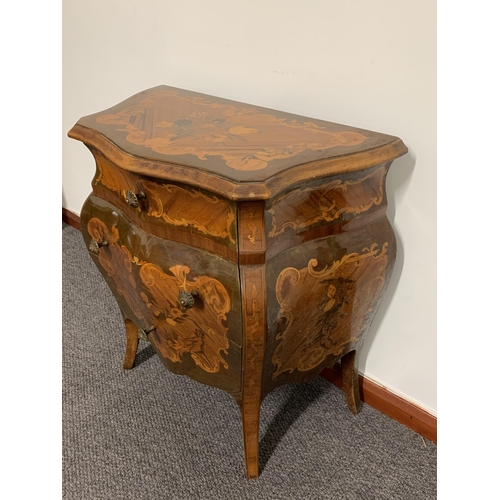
(250, 413)
(132, 343)
(350, 380)
(254, 307)
(252, 247)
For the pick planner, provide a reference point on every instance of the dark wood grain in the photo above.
(132, 344)
(317, 209)
(372, 394)
(340, 199)
(237, 150)
(146, 275)
(325, 294)
(254, 327)
(169, 232)
(252, 243)
(350, 381)
(177, 206)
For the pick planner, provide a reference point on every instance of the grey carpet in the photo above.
(149, 434)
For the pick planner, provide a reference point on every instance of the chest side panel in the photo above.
(322, 297)
(331, 251)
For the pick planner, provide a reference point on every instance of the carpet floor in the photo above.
(146, 433)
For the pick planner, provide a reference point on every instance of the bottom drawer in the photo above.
(147, 274)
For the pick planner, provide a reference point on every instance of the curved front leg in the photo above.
(132, 344)
(254, 306)
(250, 416)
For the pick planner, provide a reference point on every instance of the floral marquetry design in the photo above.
(117, 261)
(340, 299)
(175, 205)
(179, 207)
(197, 331)
(301, 208)
(153, 296)
(245, 137)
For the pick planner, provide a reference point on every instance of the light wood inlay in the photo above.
(201, 331)
(170, 203)
(302, 208)
(252, 246)
(240, 151)
(244, 136)
(340, 297)
(375, 396)
(252, 232)
(254, 330)
(180, 207)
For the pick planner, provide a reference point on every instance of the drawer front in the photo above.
(180, 208)
(147, 275)
(321, 208)
(322, 298)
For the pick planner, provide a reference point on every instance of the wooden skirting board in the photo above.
(70, 218)
(390, 404)
(372, 394)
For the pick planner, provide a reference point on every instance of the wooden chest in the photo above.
(251, 247)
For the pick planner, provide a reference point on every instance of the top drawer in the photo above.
(177, 208)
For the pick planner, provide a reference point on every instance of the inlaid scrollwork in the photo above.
(341, 296)
(200, 331)
(175, 205)
(303, 207)
(245, 137)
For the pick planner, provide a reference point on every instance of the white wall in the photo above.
(362, 63)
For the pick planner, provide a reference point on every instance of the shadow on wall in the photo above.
(398, 179)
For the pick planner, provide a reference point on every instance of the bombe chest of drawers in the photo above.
(249, 246)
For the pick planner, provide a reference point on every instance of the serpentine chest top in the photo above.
(251, 247)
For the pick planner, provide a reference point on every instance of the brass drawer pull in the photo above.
(187, 299)
(132, 198)
(94, 246)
